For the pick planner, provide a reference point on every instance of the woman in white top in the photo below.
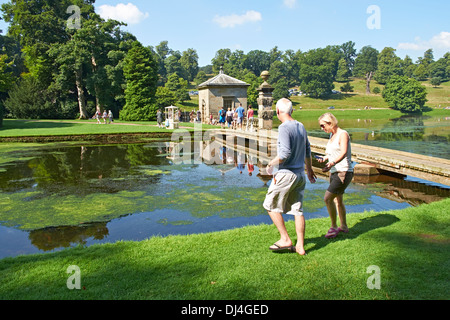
(339, 163)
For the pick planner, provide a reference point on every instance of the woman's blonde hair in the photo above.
(330, 118)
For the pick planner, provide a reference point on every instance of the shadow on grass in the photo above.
(341, 96)
(35, 124)
(361, 227)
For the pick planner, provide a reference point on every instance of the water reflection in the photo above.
(80, 170)
(65, 196)
(419, 134)
(64, 237)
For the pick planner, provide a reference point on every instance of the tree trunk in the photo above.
(98, 105)
(80, 90)
(368, 79)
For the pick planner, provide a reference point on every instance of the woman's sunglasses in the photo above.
(323, 126)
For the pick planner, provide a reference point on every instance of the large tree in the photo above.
(6, 80)
(189, 62)
(366, 64)
(37, 25)
(343, 72)
(318, 69)
(141, 73)
(221, 59)
(389, 64)
(441, 68)
(257, 61)
(6, 76)
(291, 66)
(81, 62)
(178, 86)
(85, 59)
(349, 54)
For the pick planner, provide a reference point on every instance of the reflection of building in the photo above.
(221, 92)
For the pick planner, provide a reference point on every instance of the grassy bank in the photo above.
(409, 246)
(16, 128)
(64, 128)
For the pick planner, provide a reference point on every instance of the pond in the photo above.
(55, 196)
(424, 135)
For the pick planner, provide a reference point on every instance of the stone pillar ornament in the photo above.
(265, 102)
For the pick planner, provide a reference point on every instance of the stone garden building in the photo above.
(221, 92)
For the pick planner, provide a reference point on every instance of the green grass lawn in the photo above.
(30, 128)
(66, 127)
(409, 246)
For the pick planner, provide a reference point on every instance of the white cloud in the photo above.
(127, 13)
(290, 3)
(233, 20)
(439, 41)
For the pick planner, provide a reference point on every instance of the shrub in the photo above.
(405, 94)
(27, 101)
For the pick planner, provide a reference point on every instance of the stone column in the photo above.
(265, 102)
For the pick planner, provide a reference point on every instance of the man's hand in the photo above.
(311, 176)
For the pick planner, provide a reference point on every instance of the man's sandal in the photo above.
(277, 248)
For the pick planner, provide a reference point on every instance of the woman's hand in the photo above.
(321, 159)
(328, 166)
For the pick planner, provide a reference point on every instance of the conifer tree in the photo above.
(141, 74)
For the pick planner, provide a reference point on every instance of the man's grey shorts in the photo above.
(285, 194)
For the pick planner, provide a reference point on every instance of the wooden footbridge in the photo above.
(370, 160)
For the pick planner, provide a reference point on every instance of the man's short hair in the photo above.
(285, 106)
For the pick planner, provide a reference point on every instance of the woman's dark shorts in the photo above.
(339, 181)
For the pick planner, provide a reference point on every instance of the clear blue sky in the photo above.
(409, 26)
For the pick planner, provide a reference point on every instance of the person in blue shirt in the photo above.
(285, 194)
(222, 115)
(240, 112)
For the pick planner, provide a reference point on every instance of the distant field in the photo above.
(439, 96)
(357, 99)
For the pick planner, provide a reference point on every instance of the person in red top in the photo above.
(251, 166)
(250, 114)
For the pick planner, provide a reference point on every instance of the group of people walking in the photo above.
(234, 118)
(106, 116)
(285, 194)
